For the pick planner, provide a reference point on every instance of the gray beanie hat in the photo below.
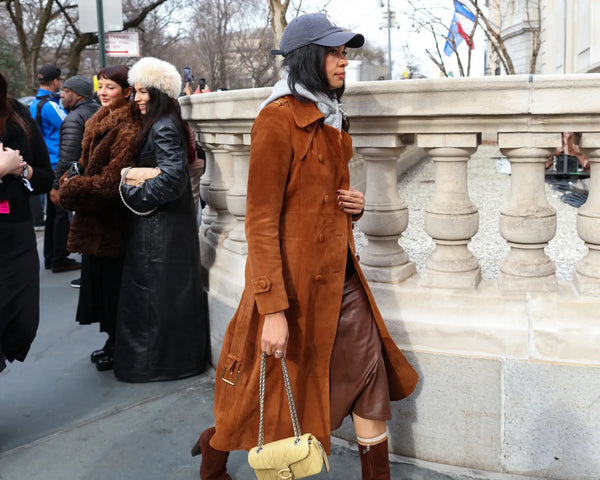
(81, 85)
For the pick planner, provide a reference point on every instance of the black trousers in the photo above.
(56, 233)
(37, 210)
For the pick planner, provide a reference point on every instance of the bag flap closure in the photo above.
(275, 455)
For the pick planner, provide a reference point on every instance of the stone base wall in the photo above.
(513, 392)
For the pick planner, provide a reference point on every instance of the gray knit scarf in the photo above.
(330, 108)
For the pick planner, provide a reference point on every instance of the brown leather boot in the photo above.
(214, 462)
(374, 461)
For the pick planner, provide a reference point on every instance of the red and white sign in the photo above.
(122, 44)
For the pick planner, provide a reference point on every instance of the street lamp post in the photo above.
(389, 21)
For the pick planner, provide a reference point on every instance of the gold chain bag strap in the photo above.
(136, 177)
(291, 458)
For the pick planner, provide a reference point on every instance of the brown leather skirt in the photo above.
(357, 371)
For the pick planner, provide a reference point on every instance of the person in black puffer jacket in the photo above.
(77, 100)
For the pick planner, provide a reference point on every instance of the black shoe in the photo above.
(76, 283)
(107, 350)
(97, 355)
(104, 363)
(66, 265)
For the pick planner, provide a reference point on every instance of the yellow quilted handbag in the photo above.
(291, 458)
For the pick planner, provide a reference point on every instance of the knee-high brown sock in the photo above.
(374, 461)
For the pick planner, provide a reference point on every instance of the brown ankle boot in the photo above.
(214, 462)
(374, 461)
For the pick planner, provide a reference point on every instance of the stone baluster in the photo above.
(386, 214)
(221, 180)
(527, 221)
(208, 212)
(451, 218)
(587, 271)
(236, 196)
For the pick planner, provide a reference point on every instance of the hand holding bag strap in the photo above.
(123, 175)
(291, 403)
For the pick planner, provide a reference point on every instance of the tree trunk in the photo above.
(77, 47)
(496, 39)
(536, 36)
(277, 11)
(30, 52)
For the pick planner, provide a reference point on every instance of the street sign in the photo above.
(122, 44)
(112, 13)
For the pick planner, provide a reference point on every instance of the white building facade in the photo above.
(569, 41)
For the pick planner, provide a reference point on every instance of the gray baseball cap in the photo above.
(318, 29)
(81, 85)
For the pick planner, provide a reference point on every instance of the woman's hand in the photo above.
(351, 201)
(11, 161)
(275, 335)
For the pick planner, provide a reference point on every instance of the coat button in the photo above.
(262, 284)
(325, 198)
(321, 238)
(319, 278)
(321, 159)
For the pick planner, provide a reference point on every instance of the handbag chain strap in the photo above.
(141, 214)
(288, 389)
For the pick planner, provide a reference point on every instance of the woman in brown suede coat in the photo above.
(100, 221)
(305, 296)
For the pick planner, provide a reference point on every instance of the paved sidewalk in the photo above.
(60, 419)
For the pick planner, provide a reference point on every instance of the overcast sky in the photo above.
(366, 16)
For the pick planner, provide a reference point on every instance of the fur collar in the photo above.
(104, 120)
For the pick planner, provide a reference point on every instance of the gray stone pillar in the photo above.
(236, 196)
(221, 180)
(385, 217)
(451, 218)
(587, 271)
(208, 213)
(527, 221)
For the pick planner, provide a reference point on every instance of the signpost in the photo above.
(100, 16)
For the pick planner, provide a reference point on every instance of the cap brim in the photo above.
(336, 39)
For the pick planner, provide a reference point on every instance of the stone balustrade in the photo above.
(498, 357)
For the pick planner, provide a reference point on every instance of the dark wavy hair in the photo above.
(306, 65)
(10, 108)
(116, 73)
(160, 105)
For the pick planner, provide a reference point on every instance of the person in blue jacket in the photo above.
(48, 113)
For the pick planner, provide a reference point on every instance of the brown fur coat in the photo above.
(100, 219)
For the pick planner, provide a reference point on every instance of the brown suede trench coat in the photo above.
(298, 242)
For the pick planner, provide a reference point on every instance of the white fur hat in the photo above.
(155, 73)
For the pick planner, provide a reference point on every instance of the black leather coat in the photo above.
(162, 327)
